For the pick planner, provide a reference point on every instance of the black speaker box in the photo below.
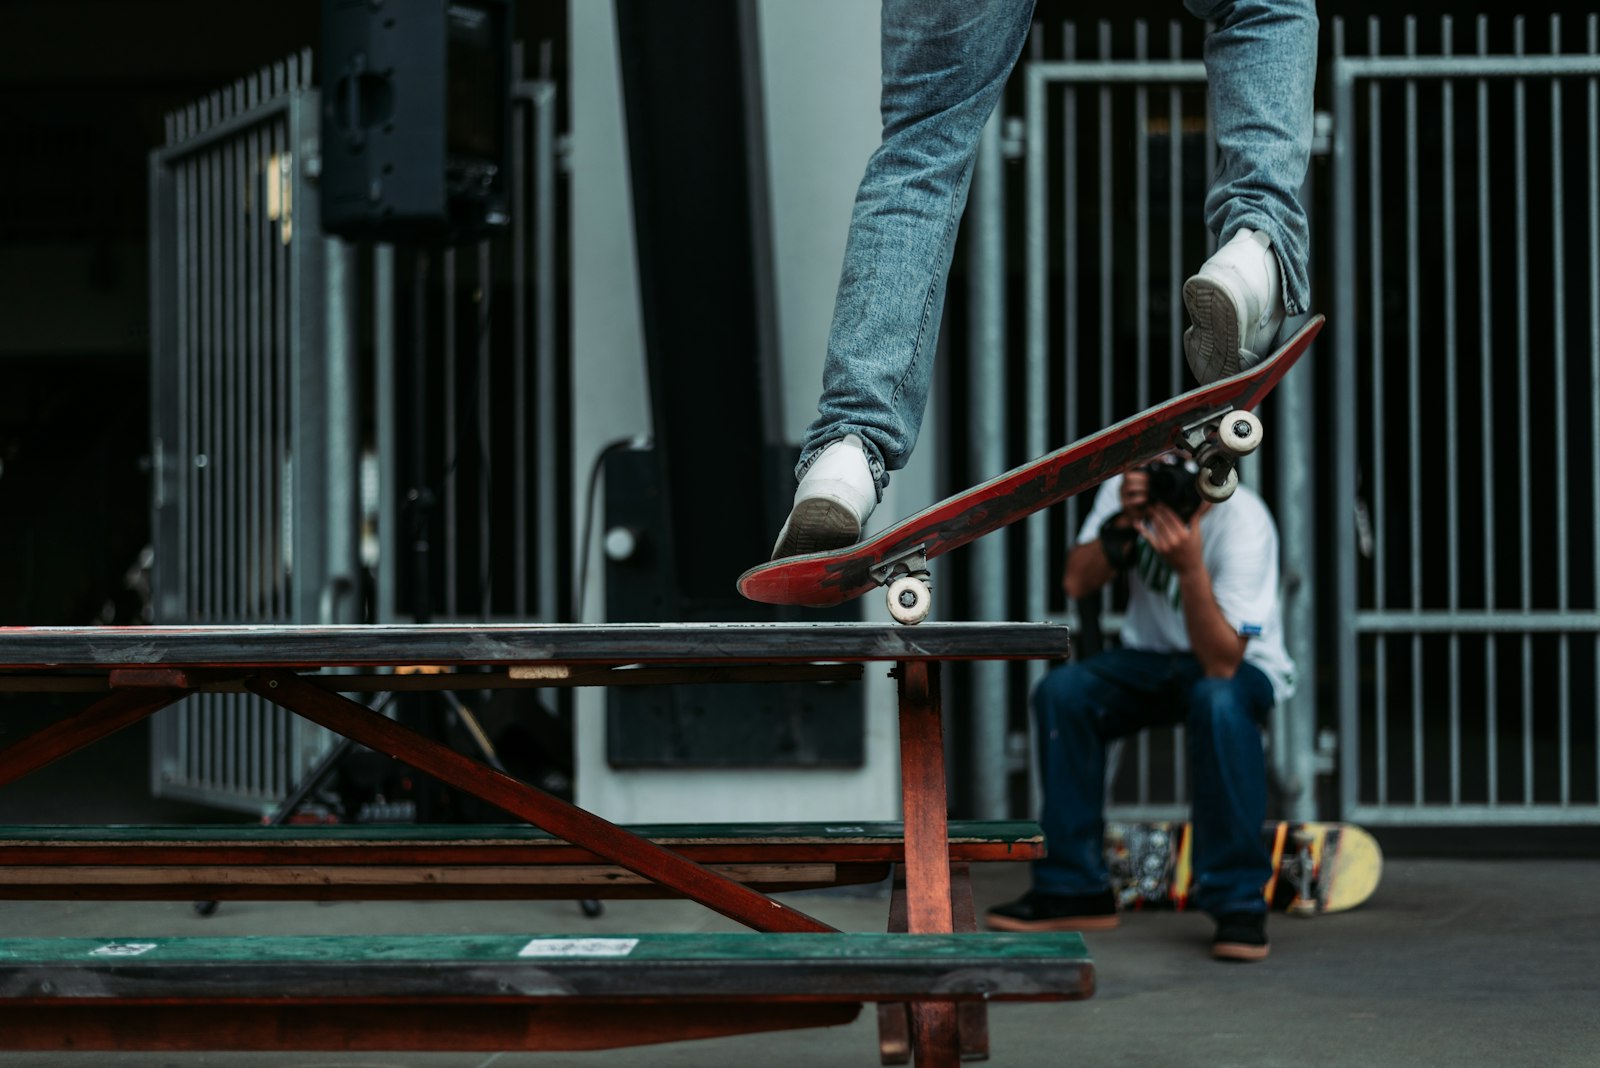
(416, 118)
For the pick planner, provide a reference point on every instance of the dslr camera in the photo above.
(1172, 484)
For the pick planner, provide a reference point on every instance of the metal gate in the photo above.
(1467, 418)
(242, 427)
(284, 411)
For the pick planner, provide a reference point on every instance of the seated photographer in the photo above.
(1202, 645)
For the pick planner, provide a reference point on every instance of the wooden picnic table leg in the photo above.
(928, 907)
(119, 709)
(972, 1017)
(358, 722)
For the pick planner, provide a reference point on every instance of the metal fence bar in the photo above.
(1375, 345)
(986, 406)
(1489, 622)
(1483, 65)
(1486, 455)
(282, 490)
(452, 439)
(1141, 236)
(385, 399)
(1524, 520)
(1175, 362)
(1452, 330)
(1559, 306)
(1345, 422)
(1037, 254)
(1071, 275)
(542, 101)
(1471, 815)
(1593, 144)
(1174, 215)
(520, 225)
(483, 432)
(1107, 180)
(237, 457)
(1413, 407)
(1141, 288)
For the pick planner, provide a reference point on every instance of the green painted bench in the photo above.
(467, 861)
(498, 992)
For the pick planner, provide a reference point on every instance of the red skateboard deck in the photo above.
(1187, 421)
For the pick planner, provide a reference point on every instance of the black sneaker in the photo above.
(1241, 936)
(1034, 911)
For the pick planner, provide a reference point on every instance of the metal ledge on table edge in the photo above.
(295, 646)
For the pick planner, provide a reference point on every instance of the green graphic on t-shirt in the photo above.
(1157, 574)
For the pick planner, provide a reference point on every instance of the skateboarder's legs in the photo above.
(945, 65)
(1080, 708)
(1261, 65)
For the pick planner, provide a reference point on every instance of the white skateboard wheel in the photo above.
(1216, 492)
(1239, 433)
(910, 599)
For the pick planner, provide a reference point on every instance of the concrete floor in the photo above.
(1452, 963)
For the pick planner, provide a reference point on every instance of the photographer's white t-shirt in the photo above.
(1239, 544)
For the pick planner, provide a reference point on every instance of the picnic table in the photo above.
(930, 974)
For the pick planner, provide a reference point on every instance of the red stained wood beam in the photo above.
(928, 909)
(122, 708)
(456, 1026)
(359, 723)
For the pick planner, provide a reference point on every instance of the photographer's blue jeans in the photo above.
(945, 65)
(1080, 708)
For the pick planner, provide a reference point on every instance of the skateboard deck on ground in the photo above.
(1317, 867)
(899, 554)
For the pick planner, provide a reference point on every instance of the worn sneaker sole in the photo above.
(815, 526)
(1058, 923)
(1212, 344)
(1239, 951)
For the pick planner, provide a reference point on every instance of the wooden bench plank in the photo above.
(742, 967)
(503, 845)
(473, 882)
(454, 862)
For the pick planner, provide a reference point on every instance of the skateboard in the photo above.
(1317, 867)
(1212, 424)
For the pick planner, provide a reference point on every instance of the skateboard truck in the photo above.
(910, 584)
(1302, 873)
(1238, 434)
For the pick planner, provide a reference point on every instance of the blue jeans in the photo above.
(1079, 708)
(945, 65)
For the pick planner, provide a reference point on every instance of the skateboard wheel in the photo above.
(1214, 491)
(1239, 433)
(910, 599)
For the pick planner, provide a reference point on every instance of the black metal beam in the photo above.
(691, 90)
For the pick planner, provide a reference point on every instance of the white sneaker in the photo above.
(1236, 305)
(832, 503)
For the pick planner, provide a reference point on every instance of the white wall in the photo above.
(821, 70)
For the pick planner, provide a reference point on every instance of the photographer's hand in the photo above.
(1135, 493)
(1177, 542)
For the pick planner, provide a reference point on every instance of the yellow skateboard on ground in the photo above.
(1317, 867)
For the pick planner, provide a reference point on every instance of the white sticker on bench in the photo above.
(122, 949)
(845, 830)
(579, 947)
